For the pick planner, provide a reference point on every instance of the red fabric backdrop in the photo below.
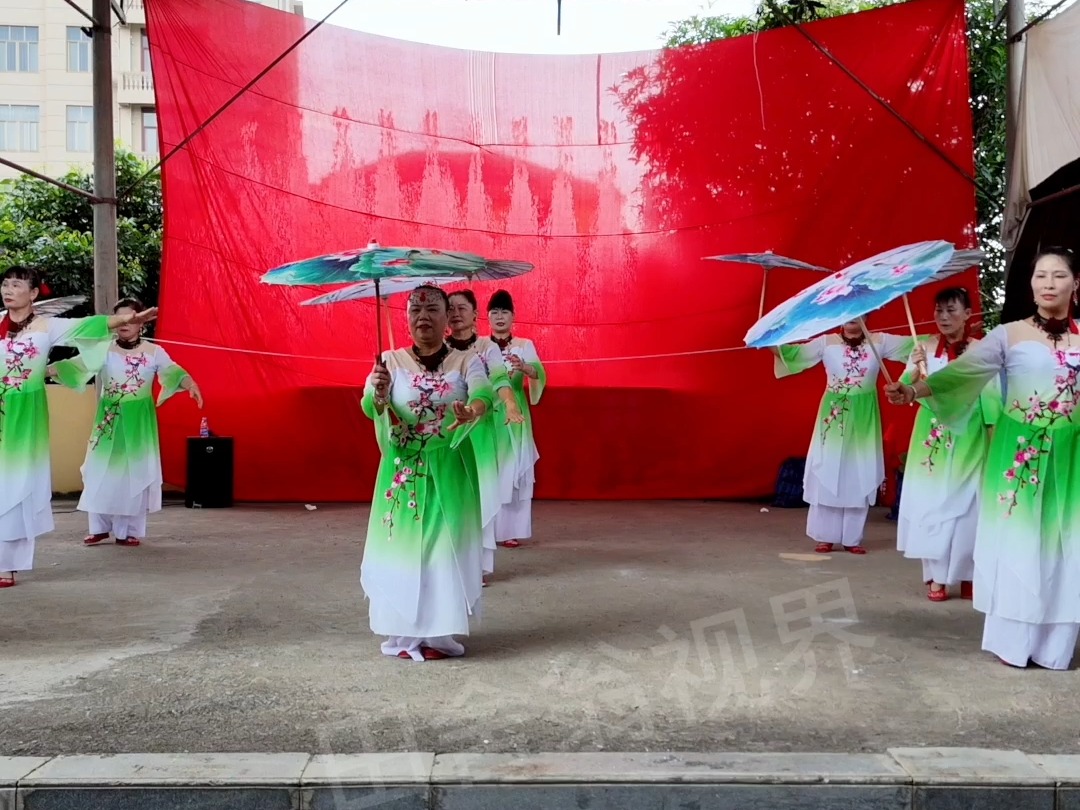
(614, 174)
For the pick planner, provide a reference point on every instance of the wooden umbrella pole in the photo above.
(914, 334)
(761, 303)
(378, 324)
(873, 348)
(390, 324)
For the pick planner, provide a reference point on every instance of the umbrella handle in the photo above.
(390, 325)
(378, 321)
(761, 303)
(914, 335)
(877, 354)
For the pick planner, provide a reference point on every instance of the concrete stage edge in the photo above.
(925, 778)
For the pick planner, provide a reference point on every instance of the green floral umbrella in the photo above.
(369, 270)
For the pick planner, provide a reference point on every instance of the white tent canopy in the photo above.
(1048, 120)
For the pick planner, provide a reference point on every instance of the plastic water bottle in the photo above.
(204, 428)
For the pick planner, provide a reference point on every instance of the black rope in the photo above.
(232, 100)
(888, 107)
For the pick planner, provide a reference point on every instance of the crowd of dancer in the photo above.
(122, 471)
(990, 499)
(452, 420)
(991, 490)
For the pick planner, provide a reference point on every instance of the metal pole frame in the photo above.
(79, 9)
(106, 282)
(58, 183)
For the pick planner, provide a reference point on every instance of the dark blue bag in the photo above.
(789, 484)
(894, 513)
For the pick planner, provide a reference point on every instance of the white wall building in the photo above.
(46, 95)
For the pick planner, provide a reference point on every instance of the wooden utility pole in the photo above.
(1014, 24)
(106, 284)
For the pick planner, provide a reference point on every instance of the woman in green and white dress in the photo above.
(122, 472)
(517, 443)
(484, 435)
(1027, 547)
(423, 554)
(939, 505)
(845, 465)
(25, 342)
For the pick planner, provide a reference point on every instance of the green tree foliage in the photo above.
(988, 65)
(47, 227)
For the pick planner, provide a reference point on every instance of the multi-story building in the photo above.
(46, 94)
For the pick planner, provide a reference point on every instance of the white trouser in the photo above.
(513, 521)
(1048, 645)
(122, 527)
(394, 645)
(16, 555)
(837, 524)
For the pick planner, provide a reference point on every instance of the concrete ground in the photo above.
(624, 627)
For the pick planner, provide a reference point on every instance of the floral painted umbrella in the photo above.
(961, 261)
(378, 290)
(378, 266)
(851, 293)
(767, 261)
(52, 307)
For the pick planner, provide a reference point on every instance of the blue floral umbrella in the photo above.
(960, 261)
(766, 261)
(851, 293)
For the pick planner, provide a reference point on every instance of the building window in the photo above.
(144, 44)
(19, 127)
(149, 132)
(78, 50)
(18, 49)
(80, 129)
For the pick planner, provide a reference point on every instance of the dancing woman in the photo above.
(122, 471)
(939, 507)
(422, 558)
(1027, 547)
(484, 436)
(25, 476)
(845, 465)
(517, 445)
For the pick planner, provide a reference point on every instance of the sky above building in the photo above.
(524, 26)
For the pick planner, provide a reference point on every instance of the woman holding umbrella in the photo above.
(1027, 548)
(421, 570)
(845, 465)
(517, 447)
(484, 436)
(25, 343)
(939, 509)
